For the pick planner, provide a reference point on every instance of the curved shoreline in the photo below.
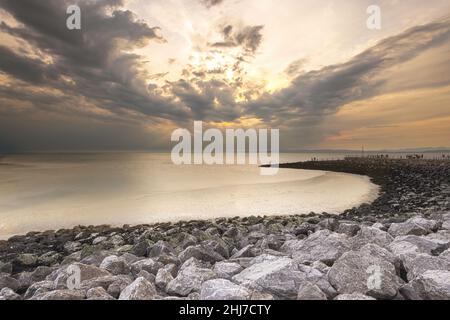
(406, 231)
(292, 192)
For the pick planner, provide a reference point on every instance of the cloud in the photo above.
(315, 94)
(211, 3)
(94, 80)
(247, 37)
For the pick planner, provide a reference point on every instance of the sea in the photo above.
(61, 190)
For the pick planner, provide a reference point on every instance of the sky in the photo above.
(137, 70)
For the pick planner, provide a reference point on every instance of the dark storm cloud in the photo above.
(211, 3)
(248, 37)
(26, 69)
(103, 99)
(315, 94)
(95, 58)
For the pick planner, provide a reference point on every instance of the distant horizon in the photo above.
(401, 150)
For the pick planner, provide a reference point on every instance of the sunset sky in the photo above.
(139, 69)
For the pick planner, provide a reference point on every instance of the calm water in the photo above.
(40, 192)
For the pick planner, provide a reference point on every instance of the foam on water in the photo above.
(41, 192)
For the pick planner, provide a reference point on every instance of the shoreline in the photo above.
(410, 220)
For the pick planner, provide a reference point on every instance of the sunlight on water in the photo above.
(40, 192)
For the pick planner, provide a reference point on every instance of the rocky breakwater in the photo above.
(355, 256)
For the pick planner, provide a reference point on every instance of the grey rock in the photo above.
(161, 247)
(316, 277)
(40, 273)
(115, 265)
(26, 259)
(279, 277)
(98, 293)
(163, 277)
(222, 289)
(189, 279)
(323, 246)
(99, 240)
(226, 270)
(116, 287)
(367, 272)
(148, 265)
(8, 294)
(349, 229)
(433, 285)
(63, 295)
(415, 244)
(72, 246)
(246, 252)
(39, 288)
(150, 277)
(309, 291)
(7, 281)
(86, 272)
(5, 267)
(140, 289)
(201, 253)
(414, 226)
(353, 296)
(370, 235)
(416, 265)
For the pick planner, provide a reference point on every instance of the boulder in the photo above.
(26, 260)
(7, 281)
(115, 265)
(140, 289)
(5, 267)
(246, 252)
(226, 270)
(163, 277)
(433, 285)
(414, 245)
(353, 296)
(159, 248)
(367, 272)
(98, 293)
(415, 226)
(349, 229)
(201, 253)
(189, 279)
(416, 265)
(309, 291)
(8, 294)
(75, 274)
(39, 288)
(323, 246)
(369, 235)
(279, 277)
(63, 295)
(40, 273)
(116, 287)
(222, 289)
(316, 277)
(445, 255)
(148, 265)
